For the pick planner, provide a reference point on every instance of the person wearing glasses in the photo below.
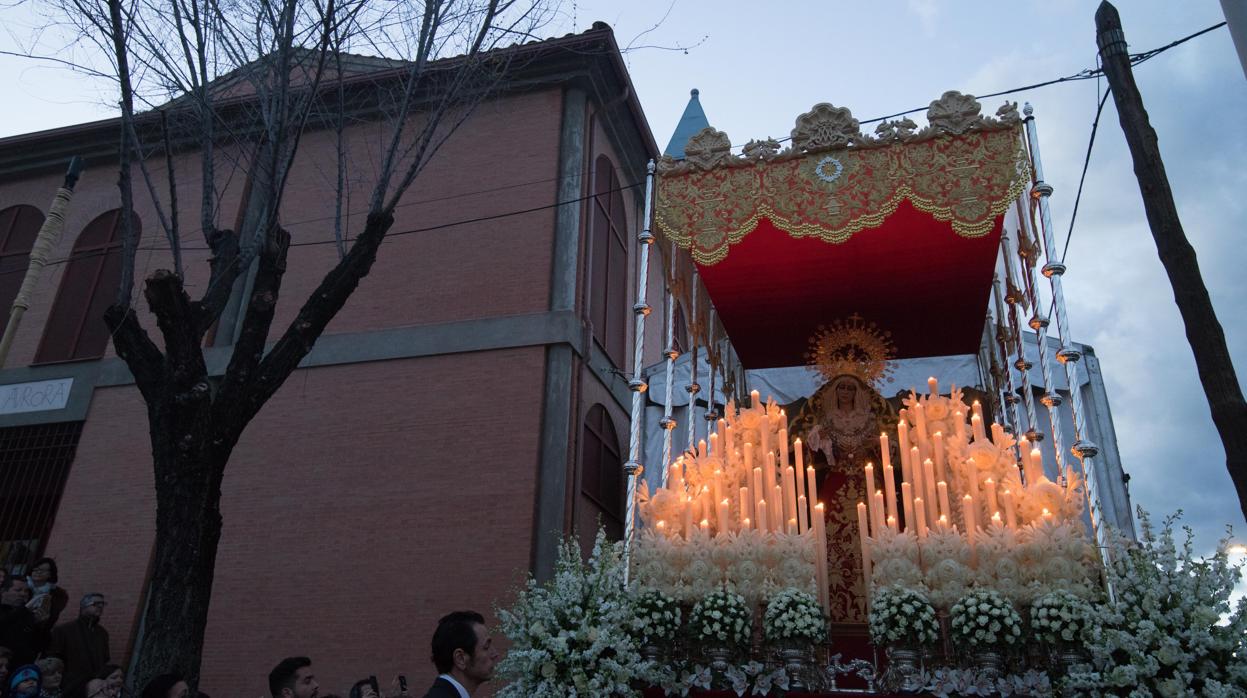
(82, 644)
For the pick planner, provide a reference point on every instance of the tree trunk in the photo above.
(1203, 330)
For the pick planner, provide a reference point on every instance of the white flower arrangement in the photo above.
(570, 636)
(794, 615)
(901, 617)
(756, 679)
(969, 682)
(656, 618)
(721, 618)
(985, 620)
(1170, 629)
(1060, 618)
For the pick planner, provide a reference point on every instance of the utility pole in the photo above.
(1203, 331)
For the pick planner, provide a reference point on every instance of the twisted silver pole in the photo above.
(1003, 336)
(693, 388)
(1015, 327)
(637, 384)
(1084, 448)
(1039, 323)
(668, 422)
(712, 410)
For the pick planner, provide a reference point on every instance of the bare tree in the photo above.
(237, 84)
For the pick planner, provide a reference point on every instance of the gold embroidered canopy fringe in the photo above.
(964, 168)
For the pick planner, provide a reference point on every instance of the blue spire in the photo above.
(694, 120)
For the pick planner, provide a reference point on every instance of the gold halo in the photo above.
(853, 347)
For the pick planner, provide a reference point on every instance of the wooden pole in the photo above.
(1203, 331)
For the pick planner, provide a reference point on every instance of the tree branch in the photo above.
(249, 347)
(136, 348)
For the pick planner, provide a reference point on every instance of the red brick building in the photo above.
(466, 407)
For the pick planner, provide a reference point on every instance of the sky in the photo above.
(758, 66)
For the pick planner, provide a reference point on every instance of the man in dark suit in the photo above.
(464, 655)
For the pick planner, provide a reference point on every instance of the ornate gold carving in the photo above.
(968, 179)
(708, 148)
(954, 113)
(825, 126)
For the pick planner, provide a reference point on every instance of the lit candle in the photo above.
(967, 508)
(864, 535)
(803, 518)
(714, 445)
(943, 522)
(748, 455)
(764, 522)
(723, 441)
(920, 421)
(701, 448)
(790, 493)
(1006, 499)
(811, 486)
(870, 489)
(792, 527)
(777, 509)
(725, 512)
(718, 484)
(945, 509)
(1036, 467)
(928, 492)
(765, 430)
(989, 488)
(705, 526)
(662, 527)
(746, 508)
(976, 426)
(996, 522)
(892, 523)
(1047, 515)
(800, 458)
(746, 524)
(879, 520)
(998, 434)
(902, 440)
(687, 516)
(977, 407)
(920, 517)
(753, 398)
(889, 491)
(933, 386)
(771, 478)
(907, 501)
(783, 448)
(803, 521)
(759, 494)
(959, 421)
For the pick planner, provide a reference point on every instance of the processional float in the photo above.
(843, 251)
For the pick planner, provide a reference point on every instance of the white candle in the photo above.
(864, 535)
(811, 485)
(746, 507)
(792, 527)
(996, 522)
(803, 518)
(945, 509)
(759, 494)
(989, 488)
(920, 517)
(783, 447)
(920, 422)
(959, 420)
(803, 521)
(718, 484)
(800, 458)
(998, 434)
(907, 501)
(892, 523)
(662, 527)
(777, 508)
(943, 522)
(870, 489)
(722, 424)
(929, 493)
(978, 409)
(725, 512)
(976, 427)
(714, 445)
(1036, 467)
(753, 399)
(748, 456)
(790, 493)
(889, 491)
(885, 453)
(765, 430)
(687, 517)
(705, 526)
(701, 448)
(1047, 515)
(820, 553)
(902, 439)
(764, 521)
(879, 521)
(1006, 498)
(937, 449)
(771, 478)
(967, 509)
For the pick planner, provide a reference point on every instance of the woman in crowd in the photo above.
(53, 671)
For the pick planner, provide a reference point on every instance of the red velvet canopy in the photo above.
(911, 276)
(901, 228)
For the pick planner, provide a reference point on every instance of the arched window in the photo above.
(608, 271)
(19, 226)
(75, 327)
(601, 475)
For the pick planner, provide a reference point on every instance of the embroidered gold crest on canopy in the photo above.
(834, 181)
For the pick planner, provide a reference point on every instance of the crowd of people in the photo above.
(42, 657)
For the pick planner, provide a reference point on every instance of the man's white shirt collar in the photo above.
(463, 692)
